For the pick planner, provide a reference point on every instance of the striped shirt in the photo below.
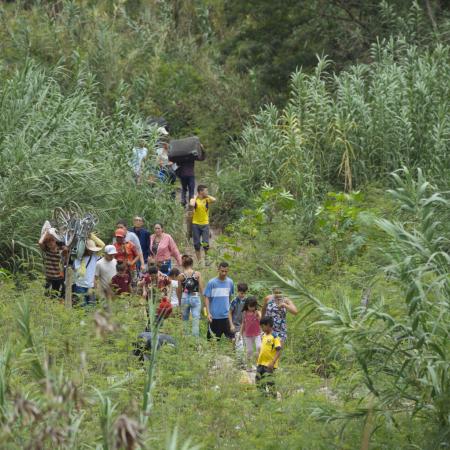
(53, 265)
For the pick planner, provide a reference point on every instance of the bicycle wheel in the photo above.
(75, 210)
(61, 219)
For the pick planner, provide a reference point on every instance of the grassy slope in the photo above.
(211, 407)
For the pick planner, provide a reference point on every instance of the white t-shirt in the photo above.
(174, 298)
(88, 278)
(105, 270)
(139, 154)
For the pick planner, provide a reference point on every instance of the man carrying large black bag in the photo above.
(184, 152)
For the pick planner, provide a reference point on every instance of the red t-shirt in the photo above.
(121, 284)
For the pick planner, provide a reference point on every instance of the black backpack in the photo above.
(190, 284)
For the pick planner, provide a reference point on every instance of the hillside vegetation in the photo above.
(327, 134)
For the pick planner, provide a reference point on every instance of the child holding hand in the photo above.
(250, 328)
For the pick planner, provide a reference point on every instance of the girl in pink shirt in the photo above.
(250, 329)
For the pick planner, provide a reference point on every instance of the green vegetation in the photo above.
(338, 192)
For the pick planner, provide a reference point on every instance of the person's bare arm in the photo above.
(212, 199)
(207, 309)
(97, 240)
(180, 278)
(241, 330)
(230, 320)
(275, 359)
(290, 306)
(192, 201)
(43, 239)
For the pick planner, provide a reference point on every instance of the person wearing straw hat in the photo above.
(84, 272)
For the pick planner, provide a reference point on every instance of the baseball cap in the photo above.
(110, 250)
(120, 233)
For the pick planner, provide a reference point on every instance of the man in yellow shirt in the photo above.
(269, 356)
(200, 220)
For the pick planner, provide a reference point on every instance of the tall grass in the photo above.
(400, 353)
(57, 147)
(344, 130)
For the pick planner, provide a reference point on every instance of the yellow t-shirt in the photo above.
(269, 346)
(201, 211)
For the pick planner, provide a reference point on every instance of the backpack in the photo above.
(190, 284)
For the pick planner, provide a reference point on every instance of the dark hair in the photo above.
(201, 187)
(252, 302)
(223, 265)
(122, 222)
(242, 287)
(120, 266)
(158, 223)
(266, 321)
(174, 272)
(187, 261)
(152, 270)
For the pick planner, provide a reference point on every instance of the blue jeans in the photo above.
(81, 293)
(200, 236)
(191, 304)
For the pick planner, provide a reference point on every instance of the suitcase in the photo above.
(187, 149)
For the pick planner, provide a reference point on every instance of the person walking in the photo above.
(144, 240)
(277, 306)
(250, 327)
(162, 249)
(268, 358)
(52, 253)
(200, 220)
(217, 294)
(186, 174)
(139, 155)
(105, 270)
(84, 272)
(190, 284)
(131, 237)
(126, 253)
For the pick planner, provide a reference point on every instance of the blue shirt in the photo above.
(144, 239)
(219, 293)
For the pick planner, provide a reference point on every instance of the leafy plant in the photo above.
(403, 358)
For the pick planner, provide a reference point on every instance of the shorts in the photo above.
(200, 235)
(265, 380)
(219, 327)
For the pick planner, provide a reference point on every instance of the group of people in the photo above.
(140, 262)
(159, 167)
